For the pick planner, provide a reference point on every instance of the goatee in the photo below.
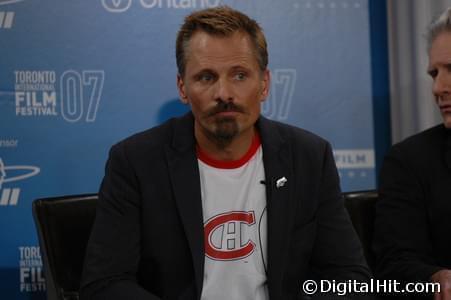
(226, 128)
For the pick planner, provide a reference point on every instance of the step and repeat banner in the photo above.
(78, 76)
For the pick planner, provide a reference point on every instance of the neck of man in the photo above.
(224, 150)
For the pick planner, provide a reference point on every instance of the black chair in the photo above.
(64, 225)
(361, 208)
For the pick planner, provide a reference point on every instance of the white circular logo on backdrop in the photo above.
(116, 6)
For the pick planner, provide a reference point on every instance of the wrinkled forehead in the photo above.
(440, 46)
(205, 48)
(201, 38)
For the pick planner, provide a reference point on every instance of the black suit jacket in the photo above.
(148, 243)
(413, 228)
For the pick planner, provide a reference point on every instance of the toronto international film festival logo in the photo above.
(354, 163)
(279, 103)
(7, 17)
(10, 196)
(31, 271)
(78, 98)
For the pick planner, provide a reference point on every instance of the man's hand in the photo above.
(443, 277)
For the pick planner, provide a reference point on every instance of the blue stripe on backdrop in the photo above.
(380, 79)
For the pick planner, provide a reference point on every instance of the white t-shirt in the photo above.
(234, 210)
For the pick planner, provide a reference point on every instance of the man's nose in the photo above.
(223, 90)
(442, 84)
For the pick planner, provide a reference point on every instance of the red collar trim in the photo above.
(230, 164)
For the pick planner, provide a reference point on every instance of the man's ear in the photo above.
(266, 84)
(181, 89)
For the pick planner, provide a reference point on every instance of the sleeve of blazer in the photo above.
(113, 251)
(402, 243)
(337, 253)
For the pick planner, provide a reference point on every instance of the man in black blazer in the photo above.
(153, 237)
(412, 238)
(412, 229)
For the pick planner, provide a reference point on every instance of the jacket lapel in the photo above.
(184, 174)
(277, 159)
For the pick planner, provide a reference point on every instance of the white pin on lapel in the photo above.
(281, 182)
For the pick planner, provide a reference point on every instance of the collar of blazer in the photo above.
(184, 175)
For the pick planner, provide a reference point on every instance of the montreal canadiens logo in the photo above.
(224, 238)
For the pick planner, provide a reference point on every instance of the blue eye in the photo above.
(206, 77)
(240, 76)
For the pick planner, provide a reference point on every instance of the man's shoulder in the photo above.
(425, 141)
(293, 134)
(156, 137)
(422, 150)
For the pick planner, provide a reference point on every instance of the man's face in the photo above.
(440, 71)
(223, 84)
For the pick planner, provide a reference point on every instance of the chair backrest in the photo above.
(361, 209)
(64, 226)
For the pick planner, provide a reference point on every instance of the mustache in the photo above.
(224, 107)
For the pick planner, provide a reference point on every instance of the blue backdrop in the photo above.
(78, 76)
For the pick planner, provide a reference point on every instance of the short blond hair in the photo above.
(220, 21)
(438, 26)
